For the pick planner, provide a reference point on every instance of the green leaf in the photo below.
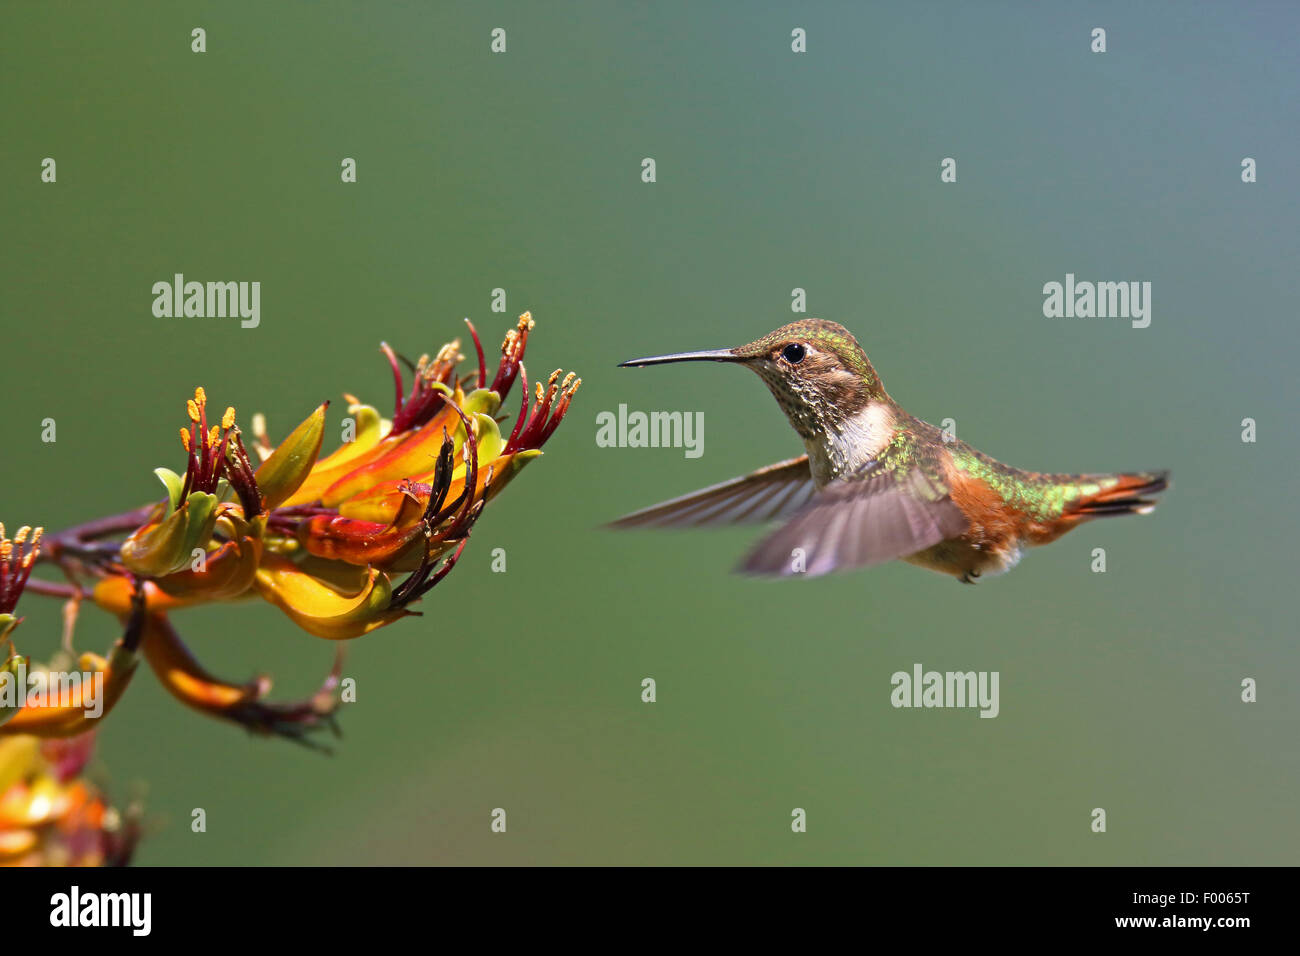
(174, 484)
(490, 442)
(481, 400)
(280, 475)
(168, 546)
(12, 696)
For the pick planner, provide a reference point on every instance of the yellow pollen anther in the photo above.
(200, 396)
(539, 391)
(526, 322)
(33, 549)
(449, 354)
(185, 438)
(228, 419)
(214, 435)
(192, 410)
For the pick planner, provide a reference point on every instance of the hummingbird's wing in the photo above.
(888, 511)
(777, 491)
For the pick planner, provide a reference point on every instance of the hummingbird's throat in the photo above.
(815, 404)
(802, 405)
(856, 443)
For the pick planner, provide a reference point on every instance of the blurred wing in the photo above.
(861, 522)
(776, 491)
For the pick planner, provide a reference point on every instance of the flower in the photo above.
(31, 704)
(50, 815)
(16, 560)
(400, 499)
(342, 545)
(405, 494)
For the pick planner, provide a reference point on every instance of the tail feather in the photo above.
(1129, 495)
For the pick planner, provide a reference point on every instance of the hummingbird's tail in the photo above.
(1126, 494)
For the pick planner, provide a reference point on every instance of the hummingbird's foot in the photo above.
(969, 577)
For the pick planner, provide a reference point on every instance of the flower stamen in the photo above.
(16, 560)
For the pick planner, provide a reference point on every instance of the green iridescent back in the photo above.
(1043, 497)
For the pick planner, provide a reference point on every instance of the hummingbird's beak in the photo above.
(709, 355)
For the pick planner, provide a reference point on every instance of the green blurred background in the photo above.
(775, 170)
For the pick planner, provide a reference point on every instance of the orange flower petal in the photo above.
(415, 456)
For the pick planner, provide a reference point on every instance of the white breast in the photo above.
(857, 441)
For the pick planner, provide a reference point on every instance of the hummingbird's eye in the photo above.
(793, 353)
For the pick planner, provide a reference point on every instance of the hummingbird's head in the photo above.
(816, 370)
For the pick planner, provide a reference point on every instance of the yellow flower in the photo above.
(404, 494)
(400, 497)
(342, 545)
(16, 560)
(50, 815)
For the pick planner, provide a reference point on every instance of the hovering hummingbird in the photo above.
(878, 484)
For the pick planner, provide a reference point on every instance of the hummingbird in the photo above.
(876, 484)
